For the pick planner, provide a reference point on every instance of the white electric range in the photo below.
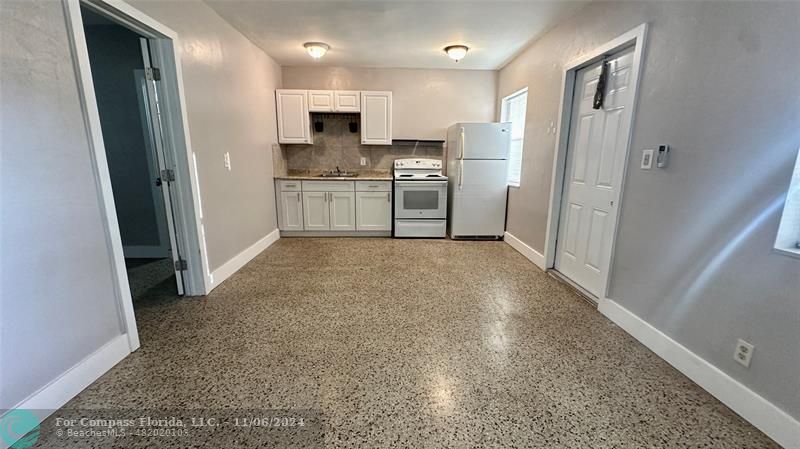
(420, 198)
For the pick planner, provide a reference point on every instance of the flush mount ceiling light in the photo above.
(456, 52)
(316, 49)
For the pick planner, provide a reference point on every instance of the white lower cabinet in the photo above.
(343, 211)
(374, 211)
(335, 206)
(290, 217)
(316, 213)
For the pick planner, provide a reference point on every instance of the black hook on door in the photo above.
(599, 94)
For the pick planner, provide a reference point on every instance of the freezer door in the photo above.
(483, 141)
(478, 198)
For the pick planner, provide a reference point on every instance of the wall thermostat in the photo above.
(663, 156)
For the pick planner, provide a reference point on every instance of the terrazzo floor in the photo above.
(408, 344)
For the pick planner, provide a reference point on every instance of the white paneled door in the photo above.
(595, 165)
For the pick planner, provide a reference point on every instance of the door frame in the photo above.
(636, 37)
(187, 207)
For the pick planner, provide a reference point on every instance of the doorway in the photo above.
(169, 165)
(591, 160)
(132, 132)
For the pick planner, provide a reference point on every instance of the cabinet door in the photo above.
(347, 100)
(293, 120)
(291, 212)
(376, 118)
(374, 211)
(343, 211)
(320, 100)
(316, 214)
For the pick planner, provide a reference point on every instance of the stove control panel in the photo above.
(430, 164)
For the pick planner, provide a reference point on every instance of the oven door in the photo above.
(420, 199)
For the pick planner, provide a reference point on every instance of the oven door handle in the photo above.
(420, 183)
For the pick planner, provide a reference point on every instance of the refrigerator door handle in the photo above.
(463, 142)
(461, 175)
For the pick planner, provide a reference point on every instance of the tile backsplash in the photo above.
(337, 146)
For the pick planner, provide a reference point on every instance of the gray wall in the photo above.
(57, 301)
(424, 102)
(230, 99)
(694, 252)
(115, 54)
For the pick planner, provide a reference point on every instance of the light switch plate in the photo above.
(227, 160)
(647, 159)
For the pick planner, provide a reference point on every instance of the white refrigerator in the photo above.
(477, 172)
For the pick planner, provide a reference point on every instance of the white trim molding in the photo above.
(59, 391)
(230, 267)
(531, 254)
(186, 207)
(637, 38)
(764, 415)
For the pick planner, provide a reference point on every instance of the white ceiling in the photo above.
(408, 34)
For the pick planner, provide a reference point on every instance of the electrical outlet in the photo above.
(227, 159)
(647, 159)
(363, 161)
(743, 353)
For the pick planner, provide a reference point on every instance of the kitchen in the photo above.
(340, 172)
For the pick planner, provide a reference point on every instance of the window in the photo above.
(513, 110)
(788, 240)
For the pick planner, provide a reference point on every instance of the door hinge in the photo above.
(168, 175)
(152, 74)
(180, 265)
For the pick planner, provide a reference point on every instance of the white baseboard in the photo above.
(534, 256)
(768, 418)
(219, 275)
(58, 392)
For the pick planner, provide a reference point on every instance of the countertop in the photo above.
(314, 175)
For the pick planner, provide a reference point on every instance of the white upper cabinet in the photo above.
(296, 105)
(347, 101)
(376, 118)
(320, 100)
(294, 124)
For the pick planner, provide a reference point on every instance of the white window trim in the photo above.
(789, 224)
(503, 118)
